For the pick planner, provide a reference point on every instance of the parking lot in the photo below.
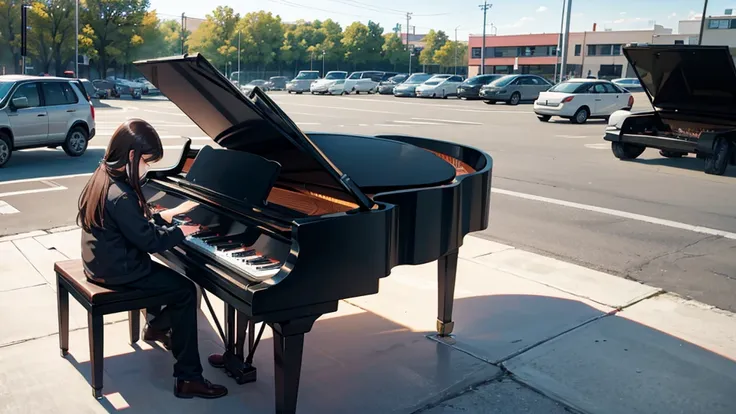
(558, 189)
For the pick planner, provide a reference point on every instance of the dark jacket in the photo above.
(118, 253)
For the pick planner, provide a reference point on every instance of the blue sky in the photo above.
(508, 16)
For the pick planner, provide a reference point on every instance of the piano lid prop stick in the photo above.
(249, 359)
(212, 312)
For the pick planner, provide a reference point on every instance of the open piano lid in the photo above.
(254, 124)
(686, 77)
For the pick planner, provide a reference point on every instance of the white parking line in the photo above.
(37, 190)
(389, 125)
(162, 112)
(622, 214)
(417, 122)
(449, 121)
(574, 136)
(6, 208)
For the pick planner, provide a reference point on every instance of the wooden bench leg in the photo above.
(62, 303)
(134, 324)
(96, 338)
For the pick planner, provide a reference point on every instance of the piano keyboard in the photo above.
(230, 251)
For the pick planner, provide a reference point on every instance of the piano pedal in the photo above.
(241, 372)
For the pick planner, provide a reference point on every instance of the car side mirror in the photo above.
(20, 102)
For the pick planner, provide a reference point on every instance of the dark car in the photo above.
(277, 83)
(92, 90)
(692, 113)
(470, 89)
(107, 86)
(386, 87)
(409, 86)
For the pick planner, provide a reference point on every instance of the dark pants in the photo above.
(180, 316)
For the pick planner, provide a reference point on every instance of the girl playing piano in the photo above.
(118, 234)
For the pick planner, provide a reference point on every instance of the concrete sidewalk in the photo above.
(532, 335)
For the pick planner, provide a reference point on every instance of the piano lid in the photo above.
(686, 77)
(254, 124)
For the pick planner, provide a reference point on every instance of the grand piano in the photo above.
(295, 222)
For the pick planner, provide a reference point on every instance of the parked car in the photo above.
(322, 86)
(126, 87)
(439, 86)
(470, 88)
(42, 112)
(365, 81)
(107, 86)
(277, 83)
(387, 86)
(302, 82)
(581, 99)
(513, 89)
(337, 88)
(408, 87)
(630, 84)
(248, 87)
(691, 90)
(92, 90)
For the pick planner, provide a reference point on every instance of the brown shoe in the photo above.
(153, 335)
(216, 360)
(201, 389)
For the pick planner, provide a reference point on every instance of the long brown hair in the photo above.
(134, 135)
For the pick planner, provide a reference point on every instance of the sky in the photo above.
(504, 17)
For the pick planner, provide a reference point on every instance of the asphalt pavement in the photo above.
(558, 189)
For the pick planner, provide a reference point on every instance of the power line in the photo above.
(366, 7)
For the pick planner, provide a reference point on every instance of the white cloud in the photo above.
(520, 22)
(672, 16)
(542, 9)
(694, 16)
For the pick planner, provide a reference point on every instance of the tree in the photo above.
(446, 55)
(110, 29)
(214, 37)
(332, 43)
(375, 41)
(301, 40)
(393, 49)
(262, 35)
(10, 32)
(362, 43)
(171, 34)
(433, 42)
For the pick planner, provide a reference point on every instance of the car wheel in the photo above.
(626, 151)
(581, 116)
(544, 118)
(289, 92)
(490, 102)
(716, 163)
(6, 149)
(76, 142)
(515, 98)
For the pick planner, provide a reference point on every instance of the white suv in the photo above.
(44, 112)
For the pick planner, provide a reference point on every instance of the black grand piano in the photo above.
(293, 223)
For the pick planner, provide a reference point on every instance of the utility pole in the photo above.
(238, 57)
(559, 42)
(456, 50)
(702, 23)
(182, 33)
(76, 39)
(485, 6)
(23, 36)
(566, 40)
(324, 52)
(408, 49)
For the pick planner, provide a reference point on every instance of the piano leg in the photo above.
(447, 270)
(288, 346)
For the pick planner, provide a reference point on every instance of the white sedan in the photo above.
(439, 86)
(581, 99)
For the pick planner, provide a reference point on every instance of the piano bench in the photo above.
(98, 301)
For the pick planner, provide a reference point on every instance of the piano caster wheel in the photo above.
(64, 353)
(445, 329)
(97, 394)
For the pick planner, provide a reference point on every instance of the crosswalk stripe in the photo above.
(6, 208)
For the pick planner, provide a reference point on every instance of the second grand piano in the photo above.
(297, 222)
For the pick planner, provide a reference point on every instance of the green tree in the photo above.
(375, 41)
(300, 41)
(10, 33)
(214, 37)
(451, 53)
(171, 33)
(110, 29)
(433, 41)
(394, 50)
(262, 35)
(332, 43)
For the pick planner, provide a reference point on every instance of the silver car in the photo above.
(513, 89)
(302, 81)
(44, 112)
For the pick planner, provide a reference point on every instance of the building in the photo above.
(596, 53)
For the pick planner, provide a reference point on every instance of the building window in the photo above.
(679, 42)
(505, 52)
(591, 50)
(720, 24)
(616, 50)
(577, 49)
(475, 53)
(605, 50)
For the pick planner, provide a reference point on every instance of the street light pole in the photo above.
(76, 39)
(456, 50)
(566, 40)
(702, 23)
(238, 57)
(559, 41)
(485, 6)
(323, 62)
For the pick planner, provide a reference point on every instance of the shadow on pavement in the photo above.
(358, 362)
(39, 163)
(687, 163)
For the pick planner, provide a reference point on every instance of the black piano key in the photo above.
(206, 235)
(269, 266)
(260, 260)
(245, 253)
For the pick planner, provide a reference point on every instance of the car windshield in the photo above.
(434, 82)
(307, 75)
(503, 81)
(398, 78)
(5, 88)
(340, 82)
(565, 87)
(355, 75)
(478, 80)
(336, 75)
(416, 78)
